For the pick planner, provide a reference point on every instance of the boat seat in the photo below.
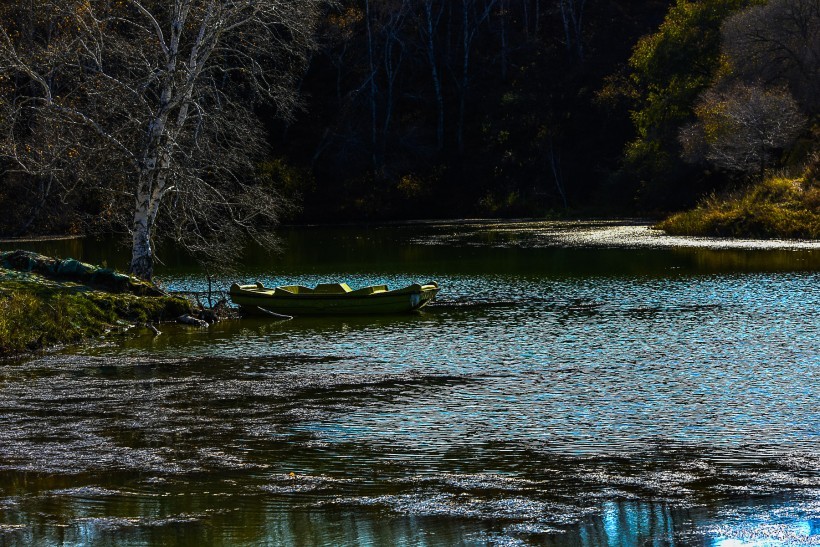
(370, 290)
(295, 289)
(332, 288)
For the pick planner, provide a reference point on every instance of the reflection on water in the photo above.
(528, 248)
(552, 396)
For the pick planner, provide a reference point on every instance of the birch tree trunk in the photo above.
(393, 57)
(372, 84)
(572, 16)
(470, 25)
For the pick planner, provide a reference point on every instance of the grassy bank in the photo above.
(778, 207)
(38, 311)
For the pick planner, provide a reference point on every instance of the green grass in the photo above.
(778, 207)
(35, 315)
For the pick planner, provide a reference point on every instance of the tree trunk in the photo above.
(373, 140)
(142, 255)
(465, 74)
(44, 192)
(431, 57)
(391, 66)
(469, 30)
(555, 165)
(572, 14)
(504, 38)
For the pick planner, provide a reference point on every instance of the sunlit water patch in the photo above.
(592, 233)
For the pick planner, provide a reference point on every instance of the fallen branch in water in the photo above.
(189, 320)
(274, 314)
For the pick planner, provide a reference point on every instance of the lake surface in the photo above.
(586, 384)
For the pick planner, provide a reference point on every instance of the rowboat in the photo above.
(331, 299)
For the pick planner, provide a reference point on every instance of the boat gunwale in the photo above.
(406, 299)
(253, 291)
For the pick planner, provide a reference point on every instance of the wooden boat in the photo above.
(331, 299)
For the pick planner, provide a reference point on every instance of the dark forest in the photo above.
(406, 109)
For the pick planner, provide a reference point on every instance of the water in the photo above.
(575, 384)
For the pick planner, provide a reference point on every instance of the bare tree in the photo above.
(472, 16)
(36, 161)
(391, 28)
(430, 19)
(159, 95)
(572, 16)
(778, 43)
(372, 85)
(740, 127)
(385, 18)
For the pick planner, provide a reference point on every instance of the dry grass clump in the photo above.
(778, 207)
(33, 316)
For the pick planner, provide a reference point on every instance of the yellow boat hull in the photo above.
(331, 299)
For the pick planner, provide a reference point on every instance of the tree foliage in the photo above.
(770, 56)
(489, 106)
(669, 70)
(412, 108)
(159, 117)
(671, 67)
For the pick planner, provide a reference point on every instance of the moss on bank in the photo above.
(36, 311)
(778, 207)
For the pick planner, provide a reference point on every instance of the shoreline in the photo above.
(478, 222)
(624, 233)
(38, 239)
(47, 303)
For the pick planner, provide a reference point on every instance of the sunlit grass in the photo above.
(778, 207)
(33, 316)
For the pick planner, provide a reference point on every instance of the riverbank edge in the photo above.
(40, 311)
(775, 208)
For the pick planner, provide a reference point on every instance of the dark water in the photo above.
(566, 389)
